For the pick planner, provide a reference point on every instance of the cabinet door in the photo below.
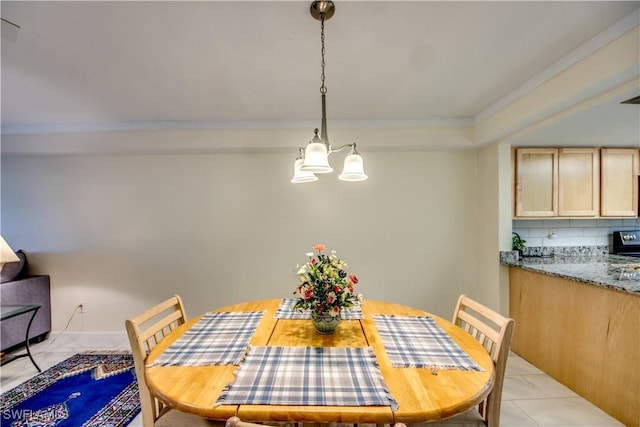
(619, 183)
(578, 182)
(536, 182)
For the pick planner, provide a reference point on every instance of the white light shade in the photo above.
(316, 158)
(353, 169)
(300, 176)
(6, 253)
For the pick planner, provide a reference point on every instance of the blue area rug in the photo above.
(87, 389)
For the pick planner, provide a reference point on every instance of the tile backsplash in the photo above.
(571, 232)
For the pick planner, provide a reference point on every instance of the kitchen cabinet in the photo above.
(619, 182)
(536, 175)
(583, 335)
(573, 182)
(578, 181)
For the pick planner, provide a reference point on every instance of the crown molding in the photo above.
(231, 124)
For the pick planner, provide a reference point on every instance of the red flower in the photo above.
(308, 293)
(353, 278)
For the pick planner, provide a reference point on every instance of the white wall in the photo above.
(121, 232)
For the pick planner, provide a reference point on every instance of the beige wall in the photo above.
(493, 197)
(122, 232)
(487, 219)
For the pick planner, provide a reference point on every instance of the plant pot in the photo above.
(325, 324)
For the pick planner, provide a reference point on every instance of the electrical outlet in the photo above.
(552, 233)
(81, 307)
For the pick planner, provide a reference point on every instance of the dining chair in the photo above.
(145, 331)
(494, 332)
(237, 422)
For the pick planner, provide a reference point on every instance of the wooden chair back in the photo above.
(494, 332)
(237, 422)
(145, 331)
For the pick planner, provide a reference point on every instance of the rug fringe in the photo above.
(106, 352)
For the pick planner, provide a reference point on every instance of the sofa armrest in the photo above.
(28, 290)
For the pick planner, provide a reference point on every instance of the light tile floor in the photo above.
(530, 397)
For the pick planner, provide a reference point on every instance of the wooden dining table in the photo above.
(422, 394)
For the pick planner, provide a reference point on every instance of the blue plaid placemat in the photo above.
(286, 311)
(337, 376)
(418, 342)
(216, 339)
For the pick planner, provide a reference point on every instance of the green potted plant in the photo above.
(517, 243)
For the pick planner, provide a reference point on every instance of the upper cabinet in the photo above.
(536, 175)
(576, 182)
(619, 182)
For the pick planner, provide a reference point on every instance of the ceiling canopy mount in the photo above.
(318, 8)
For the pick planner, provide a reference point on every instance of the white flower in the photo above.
(309, 254)
(302, 270)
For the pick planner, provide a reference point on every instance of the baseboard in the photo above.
(89, 340)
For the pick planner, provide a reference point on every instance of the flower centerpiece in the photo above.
(325, 288)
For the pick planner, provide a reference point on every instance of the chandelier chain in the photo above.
(323, 88)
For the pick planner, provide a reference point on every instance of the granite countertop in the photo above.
(617, 272)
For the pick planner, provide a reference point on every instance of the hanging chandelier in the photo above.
(314, 159)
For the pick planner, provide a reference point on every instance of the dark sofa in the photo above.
(18, 287)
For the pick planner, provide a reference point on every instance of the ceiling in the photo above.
(83, 66)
